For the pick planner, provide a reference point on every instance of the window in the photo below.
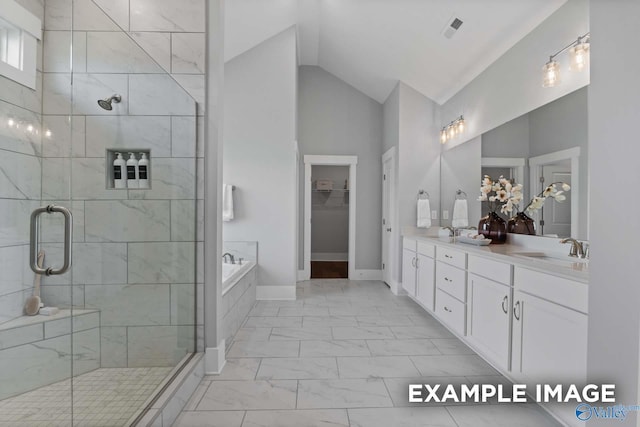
(20, 31)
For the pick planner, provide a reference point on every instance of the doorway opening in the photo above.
(329, 222)
(329, 217)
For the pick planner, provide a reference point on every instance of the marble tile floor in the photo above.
(343, 354)
(106, 397)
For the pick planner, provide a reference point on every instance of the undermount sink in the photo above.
(563, 260)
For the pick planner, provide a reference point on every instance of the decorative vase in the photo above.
(493, 227)
(521, 224)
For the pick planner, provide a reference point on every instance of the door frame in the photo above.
(535, 170)
(318, 160)
(515, 163)
(390, 156)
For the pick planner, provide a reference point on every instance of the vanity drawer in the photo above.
(450, 311)
(426, 249)
(451, 280)
(494, 270)
(451, 256)
(571, 294)
(409, 244)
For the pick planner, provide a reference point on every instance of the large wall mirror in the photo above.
(546, 145)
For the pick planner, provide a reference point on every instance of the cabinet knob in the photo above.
(446, 279)
(389, 230)
(447, 256)
(505, 302)
(447, 309)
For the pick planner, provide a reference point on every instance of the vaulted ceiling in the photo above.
(373, 44)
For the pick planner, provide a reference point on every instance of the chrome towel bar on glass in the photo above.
(35, 245)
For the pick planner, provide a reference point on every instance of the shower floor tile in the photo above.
(106, 397)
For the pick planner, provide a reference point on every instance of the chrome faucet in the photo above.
(452, 231)
(577, 249)
(231, 258)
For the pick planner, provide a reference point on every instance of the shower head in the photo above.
(106, 103)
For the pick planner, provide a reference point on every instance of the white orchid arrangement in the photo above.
(550, 191)
(501, 193)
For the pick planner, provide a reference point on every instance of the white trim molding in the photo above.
(535, 170)
(392, 256)
(366, 275)
(214, 359)
(313, 160)
(516, 163)
(279, 293)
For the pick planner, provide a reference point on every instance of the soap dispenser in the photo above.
(132, 171)
(118, 168)
(143, 171)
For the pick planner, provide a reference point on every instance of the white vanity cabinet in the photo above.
(489, 309)
(451, 288)
(549, 328)
(418, 271)
(426, 288)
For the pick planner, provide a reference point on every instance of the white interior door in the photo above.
(557, 215)
(387, 170)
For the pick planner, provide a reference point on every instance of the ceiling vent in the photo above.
(452, 27)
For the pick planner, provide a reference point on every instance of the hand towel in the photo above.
(227, 202)
(460, 217)
(424, 213)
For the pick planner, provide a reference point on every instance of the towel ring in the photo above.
(422, 193)
(461, 195)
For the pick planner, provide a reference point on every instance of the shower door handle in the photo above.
(35, 245)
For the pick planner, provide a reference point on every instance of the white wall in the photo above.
(614, 318)
(259, 154)
(411, 125)
(337, 119)
(512, 85)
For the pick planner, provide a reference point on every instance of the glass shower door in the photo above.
(36, 339)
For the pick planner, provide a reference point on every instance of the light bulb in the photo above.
(48, 133)
(460, 125)
(443, 136)
(11, 123)
(551, 74)
(452, 131)
(579, 55)
(30, 129)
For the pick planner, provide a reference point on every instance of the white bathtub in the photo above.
(231, 273)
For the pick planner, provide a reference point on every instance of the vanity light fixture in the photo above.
(579, 58)
(452, 130)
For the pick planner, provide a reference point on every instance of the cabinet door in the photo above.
(409, 271)
(426, 286)
(489, 315)
(549, 341)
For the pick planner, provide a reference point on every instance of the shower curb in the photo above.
(175, 395)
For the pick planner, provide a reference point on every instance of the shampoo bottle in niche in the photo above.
(132, 171)
(119, 166)
(143, 171)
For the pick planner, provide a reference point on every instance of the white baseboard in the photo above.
(395, 287)
(367, 275)
(214, 359)
(329, 256)
(276, 292)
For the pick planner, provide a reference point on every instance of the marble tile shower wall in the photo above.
(20, 180)
(135, 250)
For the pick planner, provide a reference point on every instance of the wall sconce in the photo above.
(579, 58)
(452, 130)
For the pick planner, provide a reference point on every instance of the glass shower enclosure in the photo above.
(98, 276)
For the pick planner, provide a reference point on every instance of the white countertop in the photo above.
(506, 252)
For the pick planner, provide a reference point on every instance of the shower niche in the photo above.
(128, 169)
